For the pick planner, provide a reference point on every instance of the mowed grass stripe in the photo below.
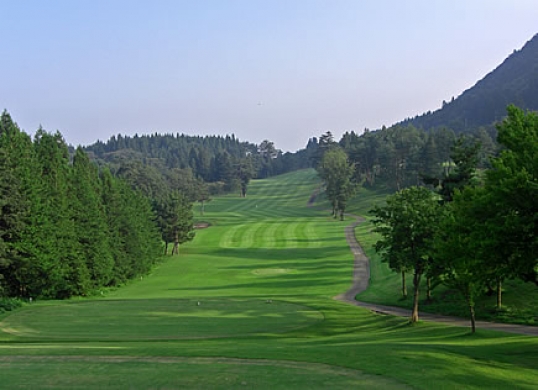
(237, 205)
(281, 235)
(247, 239)
(280, 205)
(259, 234)
(311, 235)
(228, 239)
(269, 239)
(270, 197)
(260, 188)
(261, 211)
(239, 236)
(301, 238)
(291, 235)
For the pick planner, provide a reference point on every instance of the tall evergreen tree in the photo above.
(89, 218)
(63, 268)
(14, 204)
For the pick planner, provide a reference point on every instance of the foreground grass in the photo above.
(264, 274)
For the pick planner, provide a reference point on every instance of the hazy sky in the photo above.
(261, 69)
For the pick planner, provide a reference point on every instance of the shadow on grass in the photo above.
(266, 287)
(276, 253)
(341, 265)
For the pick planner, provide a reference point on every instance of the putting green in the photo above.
(158, 319)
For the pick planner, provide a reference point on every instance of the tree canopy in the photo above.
(336, 172)
(408, 224)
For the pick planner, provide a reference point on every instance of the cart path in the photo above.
(361, 279)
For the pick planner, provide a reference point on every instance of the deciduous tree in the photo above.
(408, 223)
(336, 172)
(513, 185)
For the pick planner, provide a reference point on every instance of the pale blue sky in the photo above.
(261, 69)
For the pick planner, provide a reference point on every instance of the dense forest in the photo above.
(66, 227)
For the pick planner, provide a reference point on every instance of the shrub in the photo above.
(8, 304)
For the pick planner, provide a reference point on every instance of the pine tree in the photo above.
(18, 197)
(89, 219)
(63, 269)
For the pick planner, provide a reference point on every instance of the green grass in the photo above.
(210, 373)
(158, 319)
(265, 274)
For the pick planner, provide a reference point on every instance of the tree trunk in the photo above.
(471, 312)
(499, 294)
(166, 248)
(202, 209)
(416, 283)
(175, 249)
(404, 286)
(429, 288)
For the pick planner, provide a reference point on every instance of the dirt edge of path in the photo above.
(361, 280)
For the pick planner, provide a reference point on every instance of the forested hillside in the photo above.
(515, 81)
(401, 156)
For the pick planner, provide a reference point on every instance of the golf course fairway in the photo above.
(249, 304)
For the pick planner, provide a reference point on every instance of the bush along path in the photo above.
(361, 278)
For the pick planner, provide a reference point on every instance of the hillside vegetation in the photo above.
(515, 81)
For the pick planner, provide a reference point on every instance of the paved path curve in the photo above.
(361, 278)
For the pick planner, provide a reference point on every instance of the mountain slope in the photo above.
(515, 81)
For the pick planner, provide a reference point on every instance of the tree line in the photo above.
(213, 164)
(69, 227)
(392, 158)
(399, 156)
(466, 232)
